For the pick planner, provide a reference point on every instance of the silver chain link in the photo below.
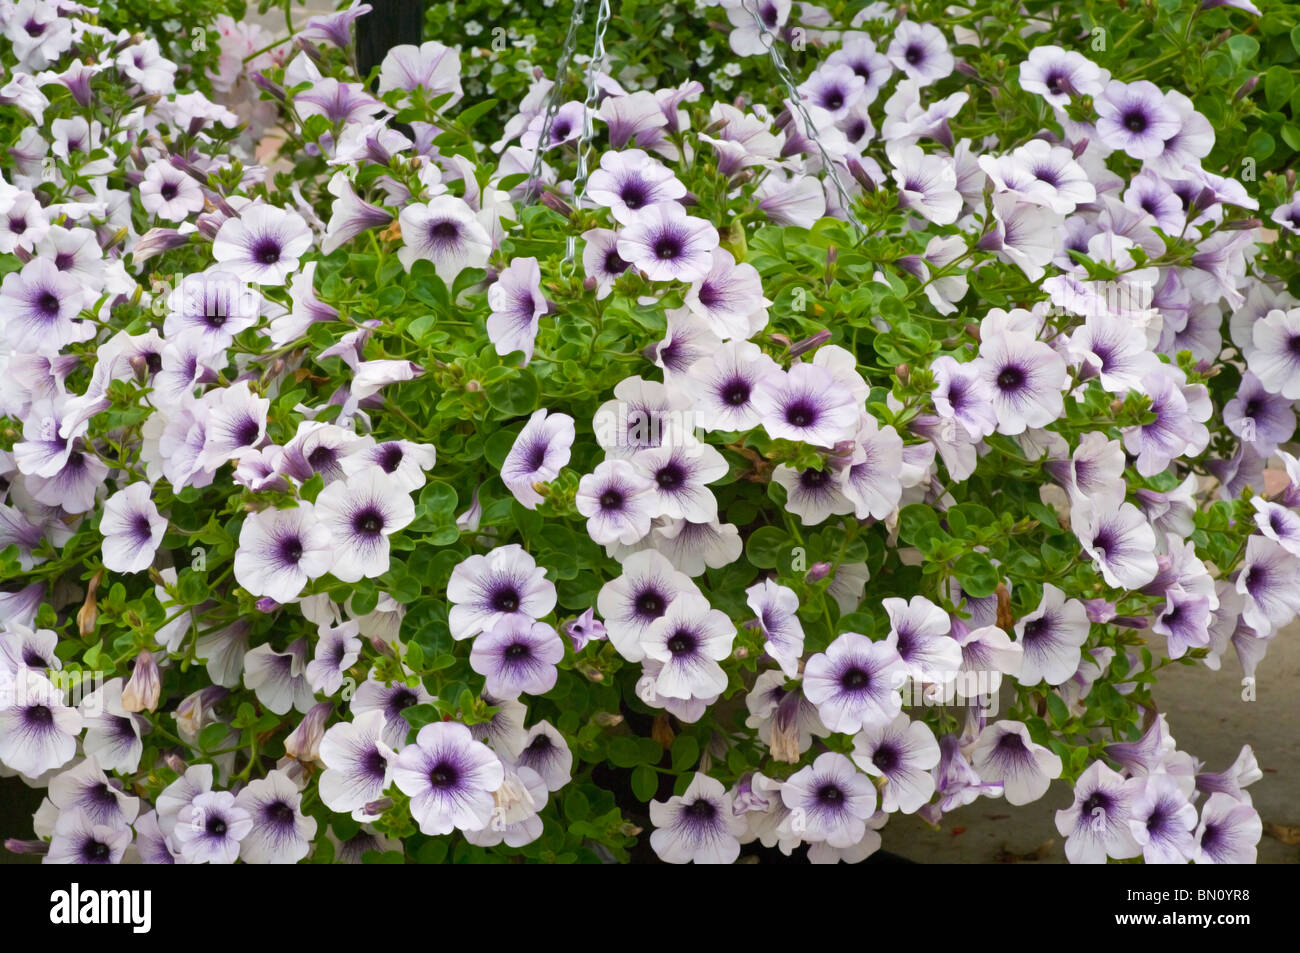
(553, 98)
(588, 121)
(796, 101)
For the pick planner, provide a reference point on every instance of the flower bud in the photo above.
(144, 686)
(88, 614)
(303, 743)
(817, 572)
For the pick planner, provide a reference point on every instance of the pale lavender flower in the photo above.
(281, 550)
(517, 305)
(337, 649)
(1057, 74)
(1267, 582)
(806, 403)
(517, 657)
(920, 51)
(546, 752)
(829, 800)
(280, 833)
(618, 501)
(689, 639)
(210, 827)
(1051, 637)
(669, 245)
(1228, 832)
(446, 232)
(1134, 117)
(79, 839)
(263, 244)
(1096, 826)
(360, 514)
(486, 590)
(1118, 539)
(777, 609)
(449, 777)
(38, 732)
(539, 453)
(902, 752)
(1005, 753)
(698, 826)
(629, 182)
(132, 529)
(357, 763)
(855, 683)
(1163, 821)
(642, 593)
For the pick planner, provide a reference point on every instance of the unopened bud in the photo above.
(144, 686)
(662, 731)
(557, 204)
(810, 343)
(607, 719)
(1245, 89)
(473, 386)
(903, 373)
(303, 743)
(88, 614)
(817, 572)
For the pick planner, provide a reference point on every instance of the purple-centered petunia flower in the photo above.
(927, 184)
(1057, 74)
(517, 657)
(517, 305)
(350, 215)
(85, 787)
(618, 501)
(1051, 637)
(40, 304)
(1134, 117)
(1278, 523)
(679, 478)
(920, 632)
(430, 66)
(835, 88)
(1267, 582)
(280, 833)
(486, 590)
(829, 800)
(279, 678)
(1184, 622)
(38, 732)
(446, 232)
(132, 529)
(777, 609)
(601, 261)
(216, 304)
(263, 244)
(1163, 821)
(1228, 832)
(334, 27)
(1005, 753)
(1260, 418)
(77, 838)
(690, 639)
(629, 182)
(1026, 378)
(356, 759)
(630, 604)
(1118, 539)
(1096, 825)
(698, 826)
(920, 51)
(730, 297)
(391, 700)
(539, 453)
(235, 422)
(584, 628)
(169, 193)
(337, 649)
(808, 404)
(210, 827)
(902, 752)
(449, 777)
(855, 683)
(360, 514)
(546, 752)
(1273, 352)
(962, 394)
(281, 550)
(669, 245)
(723, 385)
(858, 53)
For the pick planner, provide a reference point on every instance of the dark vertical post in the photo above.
(391, 23)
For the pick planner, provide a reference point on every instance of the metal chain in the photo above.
(553, 97)
(588, 121)
(796, 101)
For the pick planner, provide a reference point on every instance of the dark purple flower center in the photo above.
(634, 194)
(701, 810)
(914, 54)
(278, 814)
(1211, 837)
(814, 479)
(1011, 378)
(1011, 743)
(267, 251)
(667, 247)
(169, 190)
(1098, 799)
(401, 701)
(1055, 83)
(855, 679)
(736, 393)
(390, 458)
(1293, 345)
(34, 27)
(614, 263)
(670, 476)
(1135, 121)
(517, 650)
(832, 98)
(321, 457)
(291, 549)
(95, 852)
(31, 659)
(63, 261)
(857, 129)
(801, 413)
(444, 775)
(650, 604)
(368, 521)
(215, 826)
(830, 794)
(39, 716)
(682, 642)
(375, 763)
(611, 500)
(506, 599)
(47, 303)
(1035, 629)
(886, 757)
(443, 231)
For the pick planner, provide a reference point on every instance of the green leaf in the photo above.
(645, 782)
(685, 752)
(764, 546)
(976, 574)
(515, 395)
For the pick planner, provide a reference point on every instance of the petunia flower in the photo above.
(855, 683)
(902, 752)
(1004, 753)
(449, 778)
(487, 590)
(357, 764)
(1051, 638)
(280, 833)
(262, 244)
(669, 245)
(538, 454)
(132, 529)
(1096, 826)
(697, 826)
(360, 513)
(689, 639)
(517, 657)
(829, 801)
(618, 501)
(517, 304)
(210, 827)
